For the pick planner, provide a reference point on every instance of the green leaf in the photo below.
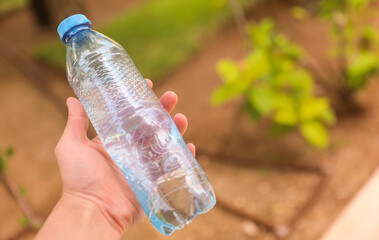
(2, 164)
(218, 4)
(227, 92)
(354, 4)
(262, 99)
(299, 12)
(328, 117)
(368, 38)
(24, 221)
(312, 108)
(23, 190)
(279, 130)
(262, 33)
(228, 70)
(9, 151)
(258, 65)
(328, 7)
(8, 6)
(37, 227)
(315, 133)
(288, 49)
(285, 111)
(286, 116)
(360, 68)
(287, 68)
(253, 113)
(370, 32)
(300, 82)
(349, 35)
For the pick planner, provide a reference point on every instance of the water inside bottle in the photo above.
(137, 132)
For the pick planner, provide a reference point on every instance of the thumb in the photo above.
(77, 122)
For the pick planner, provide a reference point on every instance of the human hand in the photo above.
(90, 176)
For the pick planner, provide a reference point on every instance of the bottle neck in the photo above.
(75, 30)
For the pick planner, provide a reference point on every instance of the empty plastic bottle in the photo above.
(137, 132)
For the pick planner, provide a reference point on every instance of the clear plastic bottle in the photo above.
(136, 130)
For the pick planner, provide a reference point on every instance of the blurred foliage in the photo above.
(299, 12)
(24, 221)
(23, 190)
(5, 154)
(273, 84)
(159, 34)
(354, 41)
(11, 5)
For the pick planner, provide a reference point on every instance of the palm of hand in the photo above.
(88, 172)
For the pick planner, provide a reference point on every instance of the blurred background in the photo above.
(281, 98)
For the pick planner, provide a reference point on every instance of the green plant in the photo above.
(24, 221)
(354, 42)
(4, 155)
(11, 5)
(273, 84)
(159, 35)
(23, 190)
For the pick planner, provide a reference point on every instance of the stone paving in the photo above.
(360, 219)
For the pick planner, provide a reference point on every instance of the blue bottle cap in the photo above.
(69, 23)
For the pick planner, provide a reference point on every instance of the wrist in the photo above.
(91, 216)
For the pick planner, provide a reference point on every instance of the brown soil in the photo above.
(33, 125)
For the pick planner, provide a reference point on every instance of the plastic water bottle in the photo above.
(137, 132)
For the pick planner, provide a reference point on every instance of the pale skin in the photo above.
(96, 201)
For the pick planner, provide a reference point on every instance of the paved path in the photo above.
(360, 219)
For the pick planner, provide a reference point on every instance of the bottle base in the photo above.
(168, 229)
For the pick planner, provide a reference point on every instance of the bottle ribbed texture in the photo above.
(137, 132)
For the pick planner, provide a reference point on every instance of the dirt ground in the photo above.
(33, 124)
